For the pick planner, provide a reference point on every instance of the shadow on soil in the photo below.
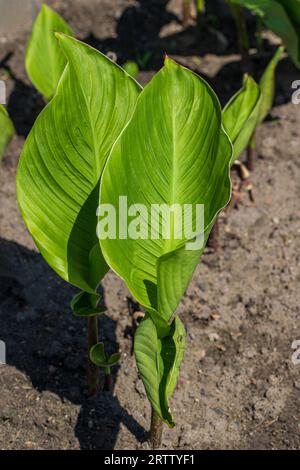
(44, 340)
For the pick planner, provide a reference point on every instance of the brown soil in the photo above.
(238, 387)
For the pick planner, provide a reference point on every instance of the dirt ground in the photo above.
(238, 387)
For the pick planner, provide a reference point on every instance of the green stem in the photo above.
(241, 27)
(156, 430)
(92, 369)
(108, 382)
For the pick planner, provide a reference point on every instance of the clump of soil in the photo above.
(238, 386)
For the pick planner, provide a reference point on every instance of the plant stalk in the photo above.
(243, 39)
(156, 430)
(92, 369)
(108, 382)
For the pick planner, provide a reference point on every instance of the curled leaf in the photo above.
(267, 85)
(85, 304)
(158, 360)
(99, 357)
(240, 116)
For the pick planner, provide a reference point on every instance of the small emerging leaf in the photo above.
(85, 304)
(7, 129)
(114, 359)
(44, 60)
(99, 357)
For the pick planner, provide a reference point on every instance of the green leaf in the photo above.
(267, 86)
(99, 357)
(44, 60)
(7, 129)
(63, 158)
(158, 360)
(174, 150)
(240, 116)
(283, 18)
(114, 359)
(85, 304)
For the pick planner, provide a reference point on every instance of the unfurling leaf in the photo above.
(7, 129)
(158, 360)
(173, 151)
(63, 158)
(99, 357)
(240, 116)
(267, 85)
(44, 60)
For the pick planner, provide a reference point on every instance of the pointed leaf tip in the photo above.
(168, 62)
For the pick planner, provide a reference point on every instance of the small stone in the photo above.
(213, 337)
(201, 354)
(139, 386)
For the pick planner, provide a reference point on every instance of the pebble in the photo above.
(213, 337)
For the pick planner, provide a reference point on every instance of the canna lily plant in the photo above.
(174, 150)
(60, 169)
(7, 130)
(44, 59)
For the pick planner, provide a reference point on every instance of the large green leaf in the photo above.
(283, 18)
(7, 129)
(44, 60)
(158, 360)
(63, 158)
(240, 116)
(267, 86)
(173, 151)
